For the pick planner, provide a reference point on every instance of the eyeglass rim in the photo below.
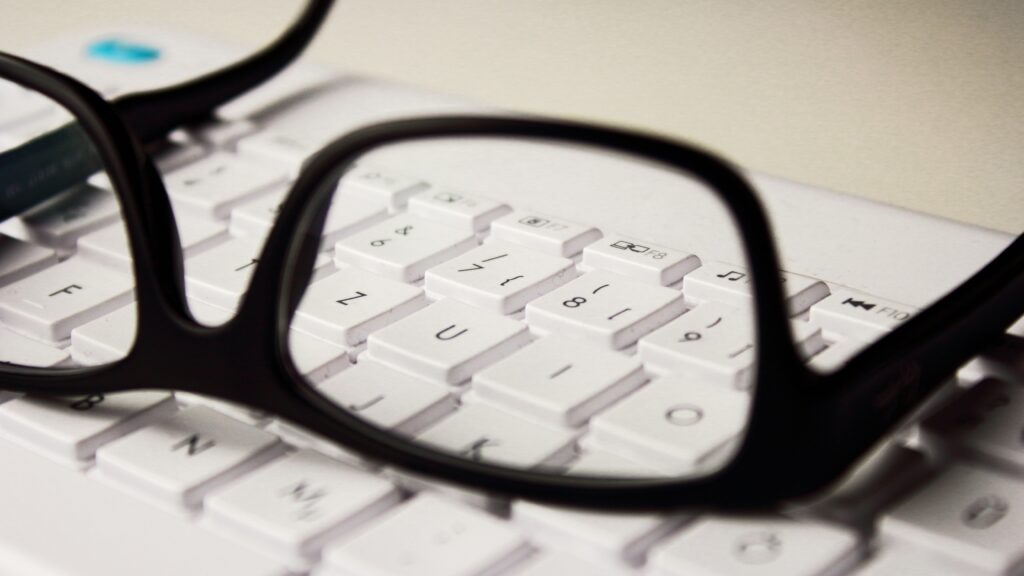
(163, 313)
(301, 217)
(877, 386)
(162, 306)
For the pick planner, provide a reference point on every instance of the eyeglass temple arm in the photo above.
(51, 163)
(881, 387)
(152, 115)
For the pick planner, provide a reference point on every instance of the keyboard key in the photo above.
(447, 341)
(457, 209)
(600, 463)
(402, 247)
(388, 398)
(858, 315)
(558, 563)
(380, 186)
(110, 245)
(296, 503)
(47, 305)
(559, 381)
(105, 339)
(769, 546)
(614, 537)
(487, 434)
(345, 307)
(298, 436)
(292, 133)
(218, 135)
(182, 458)
(986, 422)
(169, 157)
(714, 342)
(282, 148)
(639, 260)
(315, 359)
(672, 424)
(20, 259)
(498, 277)
(72, 428)
(174, 155)
(730, 284)
(604, 308)
(905, 561)
(100, 531)
(966, 514)
(220, 276)
(543, 233)
(346, 216)
(59, 222)
(214, 185)
(22, 351)
(429, 536)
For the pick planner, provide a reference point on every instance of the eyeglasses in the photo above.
(757, 428)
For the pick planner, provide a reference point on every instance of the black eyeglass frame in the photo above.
(805, 428)
(151, 115)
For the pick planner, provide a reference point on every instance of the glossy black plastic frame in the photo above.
(46, 169)
(805, 428)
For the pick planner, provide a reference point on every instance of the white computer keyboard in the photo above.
(159, 483)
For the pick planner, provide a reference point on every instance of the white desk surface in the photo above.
(918, 103)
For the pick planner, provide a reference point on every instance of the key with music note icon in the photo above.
(730, 284)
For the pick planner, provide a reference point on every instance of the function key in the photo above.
(639, 260)
(858, 315)
(392, 188)
(544, 233)
(731, 284)
(457, 209)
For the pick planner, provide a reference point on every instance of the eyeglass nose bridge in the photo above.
(229, 361)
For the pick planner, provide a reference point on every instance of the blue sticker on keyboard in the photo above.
(122, 52)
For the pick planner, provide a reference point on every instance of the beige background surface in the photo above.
(918, 103)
